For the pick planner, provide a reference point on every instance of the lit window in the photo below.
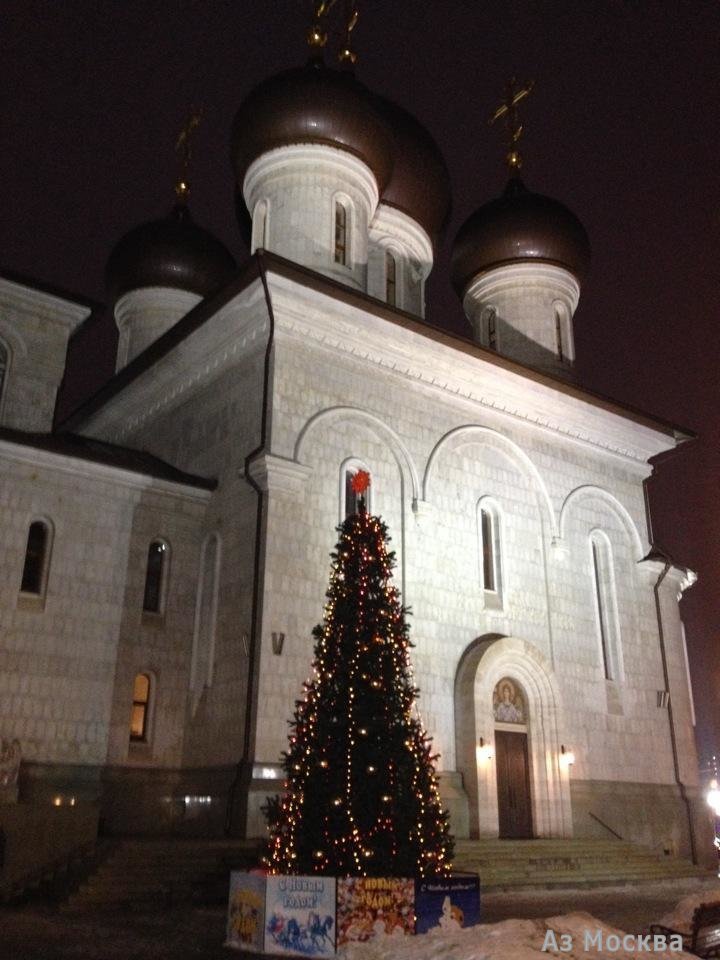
(140, 707)
(36, 554)
(490, 554)
(340, 233)
(155, 577)
(605, 604)
(390, 278)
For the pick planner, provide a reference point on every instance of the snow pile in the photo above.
(515, 940)
(681, 917)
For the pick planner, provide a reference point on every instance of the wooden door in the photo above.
(513, 785)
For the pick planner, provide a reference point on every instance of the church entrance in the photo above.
(512, 766)
(513, 785)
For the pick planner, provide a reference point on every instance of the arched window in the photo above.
(488, 327)
(260, 226)
(341, 233)
(206, 607)
(349, 499)
(37, 554)
(140, 713)
(4, 364)
(559, 335)
(605, 603)
(391, 270)
(156, 577)
(490, 551)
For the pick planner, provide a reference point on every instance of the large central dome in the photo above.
(312, 104)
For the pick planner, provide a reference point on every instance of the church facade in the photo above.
(166, 549)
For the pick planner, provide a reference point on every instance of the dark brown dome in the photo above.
(420, 183)
(312, 104)
(519, 226)
(173, 252)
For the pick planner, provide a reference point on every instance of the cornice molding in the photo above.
(21, 299)
(439, 367)
(278, 475)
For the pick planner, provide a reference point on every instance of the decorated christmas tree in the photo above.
(362, 796)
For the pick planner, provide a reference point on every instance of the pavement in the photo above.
(41, 932)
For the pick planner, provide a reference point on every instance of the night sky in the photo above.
(622, 127)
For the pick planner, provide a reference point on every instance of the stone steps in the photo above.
(145, 874)
(507, 864)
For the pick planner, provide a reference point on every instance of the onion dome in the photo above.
(312, 104)
(519, 226)
(420, 182)
(174, 252)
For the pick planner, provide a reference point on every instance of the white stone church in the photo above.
(166, 548)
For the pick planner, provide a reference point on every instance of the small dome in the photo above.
(173, 252)
(420, 183)
(518, 226)
(312, 104)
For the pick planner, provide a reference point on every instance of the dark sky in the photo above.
(622, 127)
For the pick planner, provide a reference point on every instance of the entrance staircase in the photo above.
(147, 874)
(514, 864)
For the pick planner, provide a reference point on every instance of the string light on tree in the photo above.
(362, 793)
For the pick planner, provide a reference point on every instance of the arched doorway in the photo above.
(486, 662)
(512, 766)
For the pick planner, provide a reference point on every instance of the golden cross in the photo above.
(508, 109)
(183, 147)
(347, 54)
(316, 36)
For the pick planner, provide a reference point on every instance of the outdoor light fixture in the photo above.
(567, 757)
(484, 751)
(713, 797)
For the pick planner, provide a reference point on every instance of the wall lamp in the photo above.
(567, 757)
(484, 751)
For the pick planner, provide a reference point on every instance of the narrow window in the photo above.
(487, 532)
(34, 569)
(605, 605)
(140, 707)
(4, 358)
(206, 606)
(340, 233)
(601, 608)
(260, 221)
(390, 278)
(349, 497)
(558, 335)
(155, 577)
(492, 330)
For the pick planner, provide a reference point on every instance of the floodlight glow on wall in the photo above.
(484, 751)
(567, 757)
(713, 797)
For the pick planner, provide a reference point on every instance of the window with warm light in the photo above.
(140, 708)
(155, 577)
(35, 567)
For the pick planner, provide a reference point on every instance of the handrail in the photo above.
(603, 824)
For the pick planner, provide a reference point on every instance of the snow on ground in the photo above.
(516, 940)
(681, 916)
